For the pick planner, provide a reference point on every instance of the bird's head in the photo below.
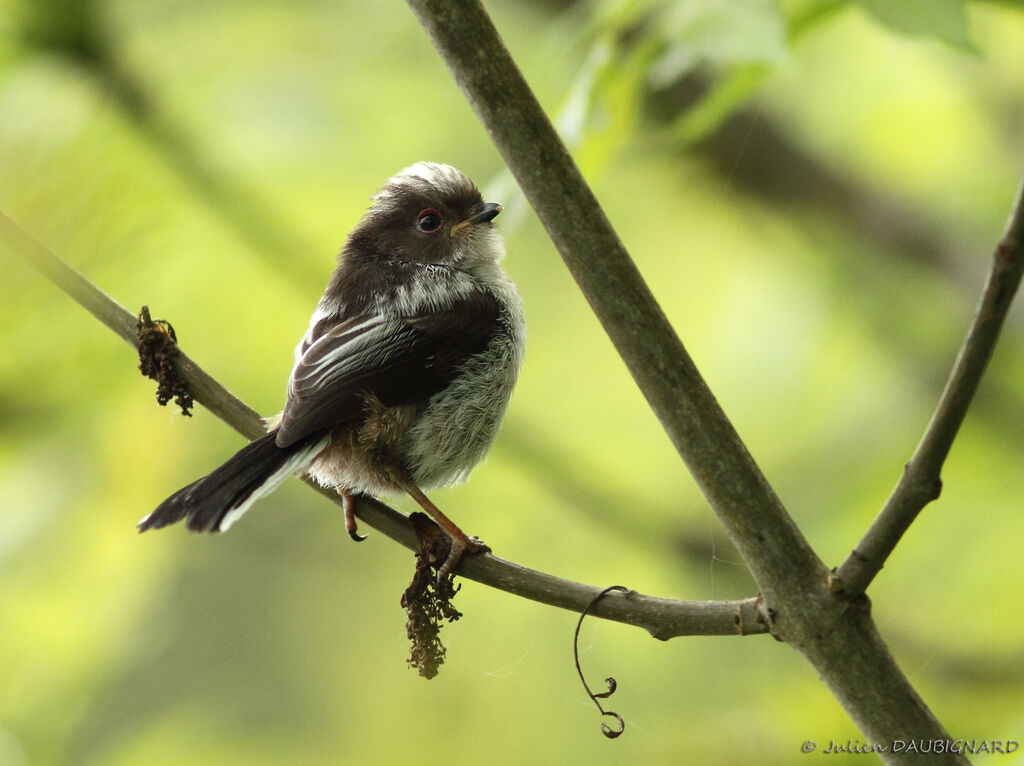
(432, 213)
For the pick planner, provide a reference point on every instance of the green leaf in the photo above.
(727, 32)
(944, 20)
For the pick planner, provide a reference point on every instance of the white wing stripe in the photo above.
(343, 342)
(353, 349)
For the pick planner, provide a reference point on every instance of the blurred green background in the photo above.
(813, 190)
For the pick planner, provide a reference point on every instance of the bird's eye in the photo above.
(430, 221)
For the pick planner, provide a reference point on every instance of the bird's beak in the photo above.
(484, 213)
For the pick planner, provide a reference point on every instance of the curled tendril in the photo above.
(607, 730)
(612, 686)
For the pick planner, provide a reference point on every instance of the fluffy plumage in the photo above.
(404, 375)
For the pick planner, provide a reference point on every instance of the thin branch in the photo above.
(921, 481)
(204, 388)
(662, 618)
(57, 270)
(772, 546)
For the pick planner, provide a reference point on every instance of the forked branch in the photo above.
(837, 637)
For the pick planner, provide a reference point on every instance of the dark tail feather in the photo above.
(214, 502)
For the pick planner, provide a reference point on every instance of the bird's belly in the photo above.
(459, 423)
(436, 444)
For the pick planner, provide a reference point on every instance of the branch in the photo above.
(773, 548)
(662, 618)
(203, 387)
(838, 638)
(921, 481)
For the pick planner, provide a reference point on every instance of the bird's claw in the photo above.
(459, 547)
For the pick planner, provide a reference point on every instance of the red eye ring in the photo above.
(430, 221)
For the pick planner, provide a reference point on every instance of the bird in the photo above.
(402, 380)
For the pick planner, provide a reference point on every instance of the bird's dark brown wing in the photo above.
(397, 359)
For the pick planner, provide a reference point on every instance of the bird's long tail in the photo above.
(216, 501)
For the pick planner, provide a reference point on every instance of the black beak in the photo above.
(487, 213)
(484, 213)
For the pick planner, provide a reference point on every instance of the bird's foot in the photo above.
(348, 504)
(460, 545)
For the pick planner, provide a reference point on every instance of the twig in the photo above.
(662, 618)
(921, 480)
(57, 270)
(204, 388)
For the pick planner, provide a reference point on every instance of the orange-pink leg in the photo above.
(348, 504)
(461, 542)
